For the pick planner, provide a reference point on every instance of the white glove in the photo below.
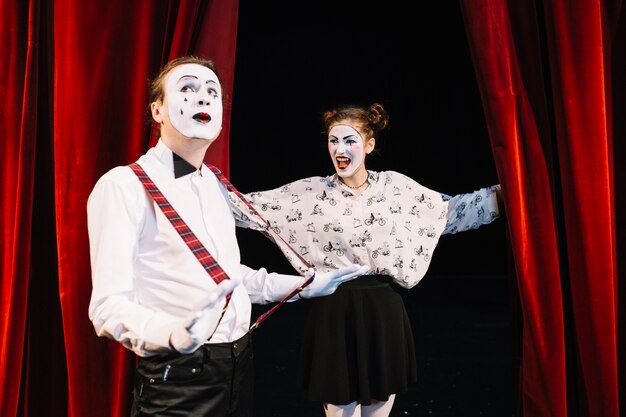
(201, 323)
(327, 283)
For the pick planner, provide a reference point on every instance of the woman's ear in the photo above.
(370, 145)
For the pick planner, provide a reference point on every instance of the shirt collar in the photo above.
(372, 177)
(178, 165)
(181, 167)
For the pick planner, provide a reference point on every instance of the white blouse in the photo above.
(393, 226)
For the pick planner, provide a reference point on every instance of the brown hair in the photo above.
(371, 120)
(156, 86)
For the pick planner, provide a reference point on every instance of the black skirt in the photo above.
(358, 344)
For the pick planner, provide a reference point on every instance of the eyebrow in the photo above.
(343, 138)
(187, 76)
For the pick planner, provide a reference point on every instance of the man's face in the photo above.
(193, 97)
(345, 145)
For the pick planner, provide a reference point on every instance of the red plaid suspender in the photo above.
(197, 248)
(232, 188)
(209, 264)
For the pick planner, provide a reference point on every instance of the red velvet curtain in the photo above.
(18, 75)
(545, 72)
(75, 77)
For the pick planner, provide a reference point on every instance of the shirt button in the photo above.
(235, 345)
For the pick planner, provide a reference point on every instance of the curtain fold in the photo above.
(579, 48)
(523, 172)
(18, 120)
(617, 16)
(534, 66)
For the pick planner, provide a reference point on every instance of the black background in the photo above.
(297, 59)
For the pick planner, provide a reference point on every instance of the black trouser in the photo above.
(215, 380)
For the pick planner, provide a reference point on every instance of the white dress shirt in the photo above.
(145, 278)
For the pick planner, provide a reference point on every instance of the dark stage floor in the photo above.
(463, 336)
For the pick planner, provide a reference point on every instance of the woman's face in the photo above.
(347, 148)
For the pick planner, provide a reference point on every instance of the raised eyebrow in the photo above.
(184, 77)
(350, 137)
(333, 137)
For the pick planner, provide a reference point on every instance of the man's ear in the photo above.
(156, 108)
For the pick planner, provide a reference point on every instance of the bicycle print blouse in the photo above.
(393, 226)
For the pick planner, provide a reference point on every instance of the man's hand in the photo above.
(203, 320)
(327, 283)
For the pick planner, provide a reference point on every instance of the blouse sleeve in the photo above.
(270, 204)
(472, 210)
(276, 214)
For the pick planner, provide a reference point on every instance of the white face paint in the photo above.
(345, 146)
(194, 101)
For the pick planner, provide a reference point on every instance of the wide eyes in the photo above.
(192, 88)
(348, 141)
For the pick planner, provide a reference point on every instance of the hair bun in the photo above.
(378, 117)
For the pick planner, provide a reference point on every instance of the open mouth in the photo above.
(202, 117)
(343, 162)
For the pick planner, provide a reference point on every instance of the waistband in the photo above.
(227, 349)
(369, 281)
